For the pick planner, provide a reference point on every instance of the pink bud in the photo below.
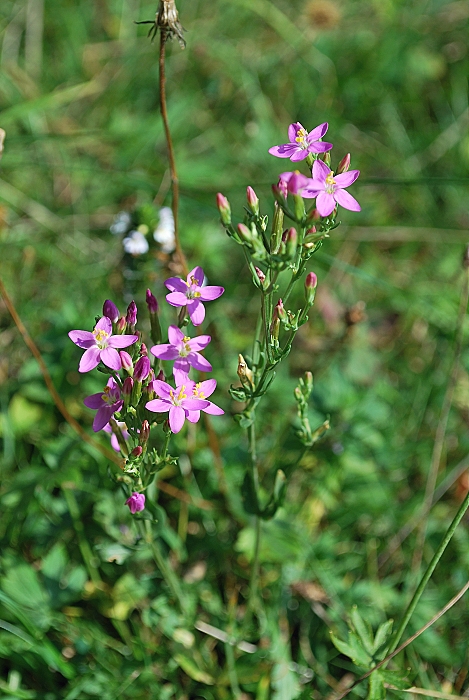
(151, 302)
(143, 350)
(110, 310)
(260, 274)
(311, 281)
(224, 209)
(121, 325)
(137, 451)
(344, 164)
(253, 200)
(126, 361)
(279, 311)
(136, 502)
(244, 233)
(127, 386)
(142, 369)
(131, 316)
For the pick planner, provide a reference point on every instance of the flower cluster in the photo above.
(327, 187)
(136, 394)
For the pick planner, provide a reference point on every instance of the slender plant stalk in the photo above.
(172, 160)
(442, 424)
(408, 641)
(232, 671)
(83, 544)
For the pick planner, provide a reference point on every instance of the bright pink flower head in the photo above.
(114, 441)
(201, 391)
(179, 402)
(184, 350)
(301, 143)
(136, 502)
(107, 402)
(329, 189)
(191, 293)
(292, 183)
(101, 345)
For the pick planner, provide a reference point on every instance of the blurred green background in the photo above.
(79, 100)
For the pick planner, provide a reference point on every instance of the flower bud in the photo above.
(326, 158)
(161, 376)
(279, 311)
(344, 164)
(298, 394)
(126, 361)
(137, 451)
(291, 242)
(144, 433)
(111, 311)
(244, 373)
(142, 369)
(253, 200)
(277, 228)
(151, 302)
(275, 328)
(131, 317)
(260, 275)
(224, 209)
(244, 233)
(127, 388)
(143, 350)
(136, 502)
(280, 193)
(121, 325)
(308, 380)
(311, 282)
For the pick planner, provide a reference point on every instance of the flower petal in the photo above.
(320, 171)
(180, 377)
(198, 362)
(207, 387)
(210, 293)
(94, 401)
(158, 405)
(104, 324)
(177, 416)
(346, 179)
(325, 203)
(293, 130)
(194, 404)
(183, 364)
(122, 341)
(193, 416)
(301, 154)
(163, 389)
(196, 312)
(199, 342)
(90, 359)
(175, 335)
(346, 200)
(318, 132)
(283, 151)
(84, 339)
(198, 274)
(165, 351)
(176, 299)
(214, 410)
(319, 147)
(176, 284)
(111, 358)
(102, 417)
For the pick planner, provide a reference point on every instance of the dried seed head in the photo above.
(167, 20)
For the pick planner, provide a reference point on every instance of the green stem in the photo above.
(426, 577)
(232, 671)
(85, 549)
(168, 574)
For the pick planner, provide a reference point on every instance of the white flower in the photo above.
(135, 243)
(121, 223)
(164, 232)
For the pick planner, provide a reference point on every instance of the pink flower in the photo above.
(114, 441)
(292, 182)
(329, 189)
(177, 401)
(201, 391)
(100, 345)
(184, 350)
(136, 502)
(301, 143)
(107, 403)
(191, 293)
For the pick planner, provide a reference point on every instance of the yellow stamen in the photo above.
(301, 136)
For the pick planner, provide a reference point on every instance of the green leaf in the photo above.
(363, 630)
(382, 634)
(360, 657)
(278, 496)
(193, 671)
(249, 495)
(398, 680)
(376, 690)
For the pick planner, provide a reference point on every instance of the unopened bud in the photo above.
(280, 194)
(121, 325)
(291, 242)
(127, 389)
(137, 451)
(224, 209)
(151, 302)
(143, 350)
(244, 373)
(277, 228)
(253, 200)
(311, 282)
(111, 311)
(142, 369)
(275, 328)
(126, 361)
(298, 394)
(308, 380)
(344, 164)
(131, 317)
(144, 433)
(326, 158)
(279, 311)
(260, 275)
(244, 233)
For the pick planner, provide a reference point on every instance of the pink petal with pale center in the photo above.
(210, 293)
(325, 203)
(196, 312)
(90, 360)
(158, 405)
(177, 417)
(318, 132)
(346, 179)
(122, 341)
(176, 284)
(111, 358)
(84, 339)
